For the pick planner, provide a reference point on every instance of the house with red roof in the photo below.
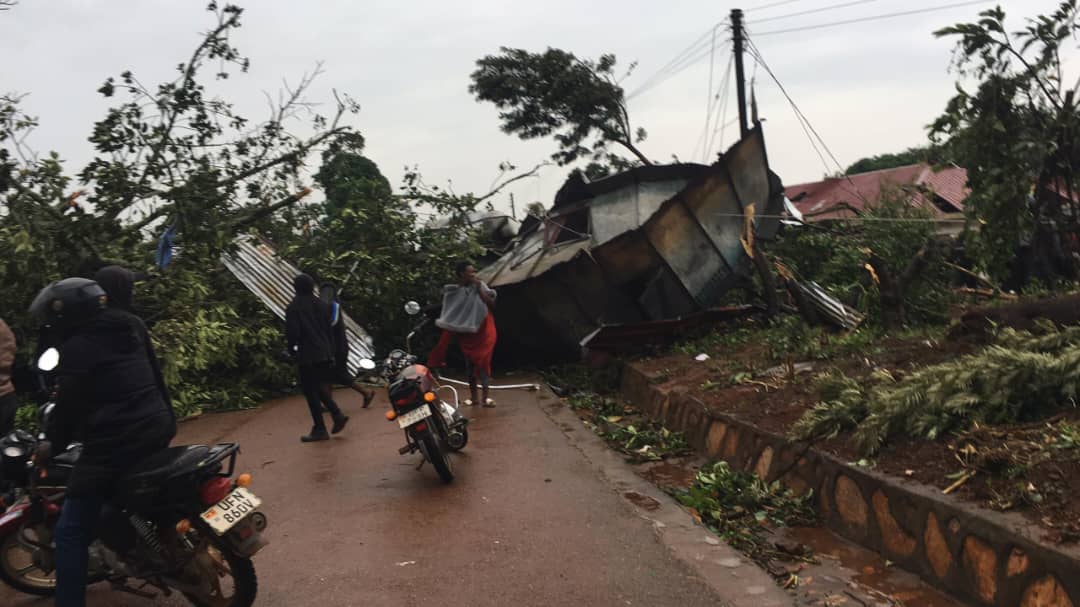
(942, 191)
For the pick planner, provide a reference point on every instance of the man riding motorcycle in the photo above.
(110, 398)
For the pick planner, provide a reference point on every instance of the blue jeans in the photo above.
(74, 532)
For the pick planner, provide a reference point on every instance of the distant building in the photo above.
(941, 191)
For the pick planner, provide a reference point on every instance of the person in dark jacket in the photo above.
(110, 397)
(311, 344)
(328, 293)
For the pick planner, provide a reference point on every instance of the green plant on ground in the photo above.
(740, 507)
(1067, 436)
(599, 406)
(841, 408)
(1024, 376)
(648, 442)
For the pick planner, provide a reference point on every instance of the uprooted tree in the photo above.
(1019, 134)
(168, 158)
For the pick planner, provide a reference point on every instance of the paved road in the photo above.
(528, 522)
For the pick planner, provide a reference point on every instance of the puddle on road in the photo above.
(670, 474)
(642, 501)
(842, 563)
(846, 573)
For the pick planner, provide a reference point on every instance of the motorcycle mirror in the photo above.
(49, 360)
(46, 413)
(412, 308)
(367, 364)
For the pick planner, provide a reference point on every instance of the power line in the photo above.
(761, 8)
(721, 128)
(815, 10)
(709, 94)
(674, 71)
(873, 18)
(803, 118)
(799, 117)
(695, 46)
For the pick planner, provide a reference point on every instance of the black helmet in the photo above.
(69, 303)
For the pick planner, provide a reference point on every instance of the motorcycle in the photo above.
(431, 425)
(181, 520)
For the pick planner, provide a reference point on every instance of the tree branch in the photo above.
(501, 186)
(269, 209)
(169, 121)
(57, 215)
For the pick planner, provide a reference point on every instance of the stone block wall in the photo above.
(985, 557)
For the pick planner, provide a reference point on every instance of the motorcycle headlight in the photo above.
(13, 451)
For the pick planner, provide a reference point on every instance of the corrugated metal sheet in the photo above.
(270, 278)
(663, 242)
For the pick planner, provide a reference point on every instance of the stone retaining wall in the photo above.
(986, 557)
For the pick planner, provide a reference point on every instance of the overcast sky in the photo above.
(868, 88)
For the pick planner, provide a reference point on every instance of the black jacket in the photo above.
(307, 326)
(111, 396)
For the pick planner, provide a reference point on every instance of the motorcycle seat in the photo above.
(167, 463)
(69, 457)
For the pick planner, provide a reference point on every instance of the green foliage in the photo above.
(362, 222)
(1023, 377)
(168, 154)
(740, 506)
(842, 407)
(648, 441)
(888, 238)
(915, 155)
(1018, 131)
(1068, 437)
(557, 94)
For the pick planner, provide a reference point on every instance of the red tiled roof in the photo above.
(850, 194)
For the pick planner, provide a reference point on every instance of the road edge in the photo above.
(736, 580)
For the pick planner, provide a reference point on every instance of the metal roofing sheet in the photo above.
(269, 277)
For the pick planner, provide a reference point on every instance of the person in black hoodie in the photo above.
(311, 344)
(110, 397)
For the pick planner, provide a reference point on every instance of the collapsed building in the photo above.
(648, 245)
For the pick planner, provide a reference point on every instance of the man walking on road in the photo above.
(311, 344)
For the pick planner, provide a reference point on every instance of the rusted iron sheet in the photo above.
(649, 244)
(270, 278)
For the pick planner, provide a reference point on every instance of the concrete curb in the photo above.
(986, 557)
(736, 580)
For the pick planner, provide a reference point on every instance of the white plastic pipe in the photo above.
(529, 387)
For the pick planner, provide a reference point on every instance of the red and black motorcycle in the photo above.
(181, 521)
(432, 426)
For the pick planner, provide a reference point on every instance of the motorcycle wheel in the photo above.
(216, 561)
(17, 568)
(438, 458)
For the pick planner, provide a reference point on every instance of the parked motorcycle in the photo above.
(432, 426)
(179, 522)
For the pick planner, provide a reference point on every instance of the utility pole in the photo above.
(740, 73)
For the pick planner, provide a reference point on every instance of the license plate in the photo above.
(228, 512)
(410, 418)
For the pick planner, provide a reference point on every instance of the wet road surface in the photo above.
(353, 523)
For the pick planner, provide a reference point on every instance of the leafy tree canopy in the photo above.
(881, 162)
(555, 93)
(1018, 130)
